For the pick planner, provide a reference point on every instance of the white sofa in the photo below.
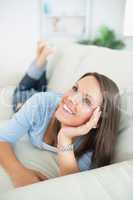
(113, 182)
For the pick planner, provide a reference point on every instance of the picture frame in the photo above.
(64, 19)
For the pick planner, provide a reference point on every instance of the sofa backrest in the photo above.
(73, 60)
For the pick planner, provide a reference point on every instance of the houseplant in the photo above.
(106, 38)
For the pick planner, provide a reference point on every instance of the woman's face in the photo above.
(78, 104)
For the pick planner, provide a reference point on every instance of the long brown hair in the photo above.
(101, 141)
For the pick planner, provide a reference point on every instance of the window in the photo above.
(128, 22)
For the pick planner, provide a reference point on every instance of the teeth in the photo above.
(67, 109)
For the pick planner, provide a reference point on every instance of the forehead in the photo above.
(90, 86)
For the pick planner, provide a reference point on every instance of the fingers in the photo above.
(92, 123)
(42, 43)
(94, 118)
(40, 46)
(41, 176)
(44, 49)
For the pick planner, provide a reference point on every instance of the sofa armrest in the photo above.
(113, 182)
(6, 94)
(8, 82)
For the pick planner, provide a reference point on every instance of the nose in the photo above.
(75, 98)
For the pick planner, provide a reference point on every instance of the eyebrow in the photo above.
(87, 95)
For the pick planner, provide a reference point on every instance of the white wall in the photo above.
(19, 27)
(18, 32)
(111, 13)
(129, 43)
(108, 12)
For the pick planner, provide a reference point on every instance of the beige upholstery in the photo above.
(45, 162)
(108, 183)
(111, 182)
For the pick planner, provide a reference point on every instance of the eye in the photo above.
(87, 101)
(75, 88)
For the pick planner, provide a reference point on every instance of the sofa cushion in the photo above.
(124, 147)
(6, 94)
(112, 182)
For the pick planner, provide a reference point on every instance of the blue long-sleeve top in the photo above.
(33, 119)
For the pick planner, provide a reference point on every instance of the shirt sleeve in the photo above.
(85, 161)
(22, 121)
(32, 77)
(35, 72)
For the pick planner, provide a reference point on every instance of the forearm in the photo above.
(37, 69)
(8, 159)
(67, 163)
(67, 160)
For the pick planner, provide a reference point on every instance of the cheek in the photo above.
(85, 115)
(82, 116)
(65, 97)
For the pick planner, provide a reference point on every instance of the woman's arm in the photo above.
(35, 78)
(8, 159)
(36, 69)
(67, 161)
(20, 124)
(19, 174)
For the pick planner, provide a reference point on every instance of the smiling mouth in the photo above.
(66, 109)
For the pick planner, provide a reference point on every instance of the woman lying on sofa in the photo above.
(78, 129)
(35, 78)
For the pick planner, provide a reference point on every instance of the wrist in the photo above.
(63, 140)
(34, 71)
(65, 148)
(40, 63)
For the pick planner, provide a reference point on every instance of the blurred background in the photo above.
(23, 23)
